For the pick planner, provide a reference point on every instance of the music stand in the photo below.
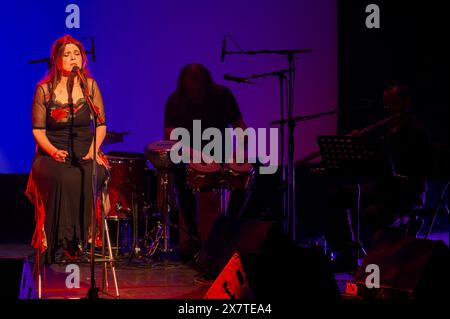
(358, 158)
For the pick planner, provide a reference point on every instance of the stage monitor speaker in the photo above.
(230, 235)
(17, 279)
(301, 274)
(409, 268)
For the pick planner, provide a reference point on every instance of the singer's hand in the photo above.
(90, 156)
(60, 156)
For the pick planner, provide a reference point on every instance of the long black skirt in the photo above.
(66, 190)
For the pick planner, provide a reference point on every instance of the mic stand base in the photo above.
(92, 293)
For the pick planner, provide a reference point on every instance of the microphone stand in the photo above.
(281, 79)
(93, 290)
(304, 117)
(279, 52)
(291, 215)
(281, 74)
(289, 197)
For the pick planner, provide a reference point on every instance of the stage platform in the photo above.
(152, 279)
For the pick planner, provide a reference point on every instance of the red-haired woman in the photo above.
(60, 183)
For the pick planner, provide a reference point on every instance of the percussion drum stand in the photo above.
(162, 230)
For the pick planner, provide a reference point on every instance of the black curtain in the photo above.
(410, 47)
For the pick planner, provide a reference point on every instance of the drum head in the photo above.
(158, 153)
(240, 167)
(205, 168)
(120, 155)
(159, 146)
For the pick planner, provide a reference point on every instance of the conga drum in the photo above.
(158, 154)
(204, 177)
(238, 176)
(127, 172)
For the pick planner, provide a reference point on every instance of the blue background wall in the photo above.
(140, 48)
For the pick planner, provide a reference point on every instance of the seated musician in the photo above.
(388, 201)
(198, 97)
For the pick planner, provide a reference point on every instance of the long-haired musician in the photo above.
(198, 97)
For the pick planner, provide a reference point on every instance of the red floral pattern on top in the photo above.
(60, 114)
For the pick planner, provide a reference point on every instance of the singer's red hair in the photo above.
(54, 73)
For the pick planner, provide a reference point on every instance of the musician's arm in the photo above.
(239, 123)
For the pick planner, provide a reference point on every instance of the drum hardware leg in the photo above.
(155, 243)
(223, 201)
(117, 237)
(135, 220)
(158, 238)
(165, 210)
(146, 210)
(134, 211)
(166, 222)
(248, 193)
(152, 240)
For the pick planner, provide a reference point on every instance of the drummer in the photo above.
(198, 97)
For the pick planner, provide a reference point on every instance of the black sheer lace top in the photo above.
(68, 126)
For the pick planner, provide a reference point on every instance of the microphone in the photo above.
(76, 70)
(224, 44)
(229, 77)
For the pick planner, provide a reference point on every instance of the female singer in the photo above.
(60, 183)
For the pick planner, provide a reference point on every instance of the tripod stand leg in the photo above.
(104, 270)
(111, 258)
(436, 210)
(356, 244)
(350, 225)
(39, 286)
(363, 250)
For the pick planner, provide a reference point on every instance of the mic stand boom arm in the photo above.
(303, 118)
(280, 52)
